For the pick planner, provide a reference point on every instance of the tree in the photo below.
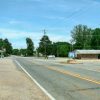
(45, 45)
(16, 52)
(8, 47)
(30, 47)
(61, 49)
(95, 41)
(1, 44)
(23, 52)
(81, 36)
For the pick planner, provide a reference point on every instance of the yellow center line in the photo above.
(71, 74)
(75, 75)
(83, 68)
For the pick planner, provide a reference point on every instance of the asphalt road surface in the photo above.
(63, 82)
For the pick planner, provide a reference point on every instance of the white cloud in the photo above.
(13, 34)
(55, 17)
(18, 37)
(62, 38)
(14, 22)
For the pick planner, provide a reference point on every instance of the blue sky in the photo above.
(28, 18)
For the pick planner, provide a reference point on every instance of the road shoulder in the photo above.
(16, 85)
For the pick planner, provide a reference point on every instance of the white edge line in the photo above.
(49, 95)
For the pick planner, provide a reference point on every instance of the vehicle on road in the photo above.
(51, 57)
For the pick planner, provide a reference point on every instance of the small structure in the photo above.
(87, 54)
(71, 54)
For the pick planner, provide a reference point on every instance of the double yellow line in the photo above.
(74, 75)
(71, 74)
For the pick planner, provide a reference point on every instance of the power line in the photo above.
(83, 9)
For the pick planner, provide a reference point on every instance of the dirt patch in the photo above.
(72, 61)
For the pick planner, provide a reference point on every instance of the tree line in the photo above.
(29, 51)
(83, 37)
(46, 47)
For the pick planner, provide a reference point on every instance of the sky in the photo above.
(28, 18)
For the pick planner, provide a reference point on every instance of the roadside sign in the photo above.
(71, 55)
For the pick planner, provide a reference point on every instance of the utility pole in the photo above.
(45, 44)
(44, 32)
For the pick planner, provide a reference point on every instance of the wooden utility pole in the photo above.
(44, 32)
(45, 44)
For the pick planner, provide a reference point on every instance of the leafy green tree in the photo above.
(30, 47)
(1, 44)
(95, 41)
(81, 36)
(16, 52)
(61, 49)
(23, 52)
(8, 47)
(45, 45)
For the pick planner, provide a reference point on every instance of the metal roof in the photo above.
(87, 51)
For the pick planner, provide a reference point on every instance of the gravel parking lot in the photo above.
(16, 85)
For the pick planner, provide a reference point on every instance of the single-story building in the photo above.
(87, 54)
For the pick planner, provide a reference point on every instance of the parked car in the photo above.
(51, 57)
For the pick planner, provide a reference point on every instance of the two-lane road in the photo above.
(64, 83)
